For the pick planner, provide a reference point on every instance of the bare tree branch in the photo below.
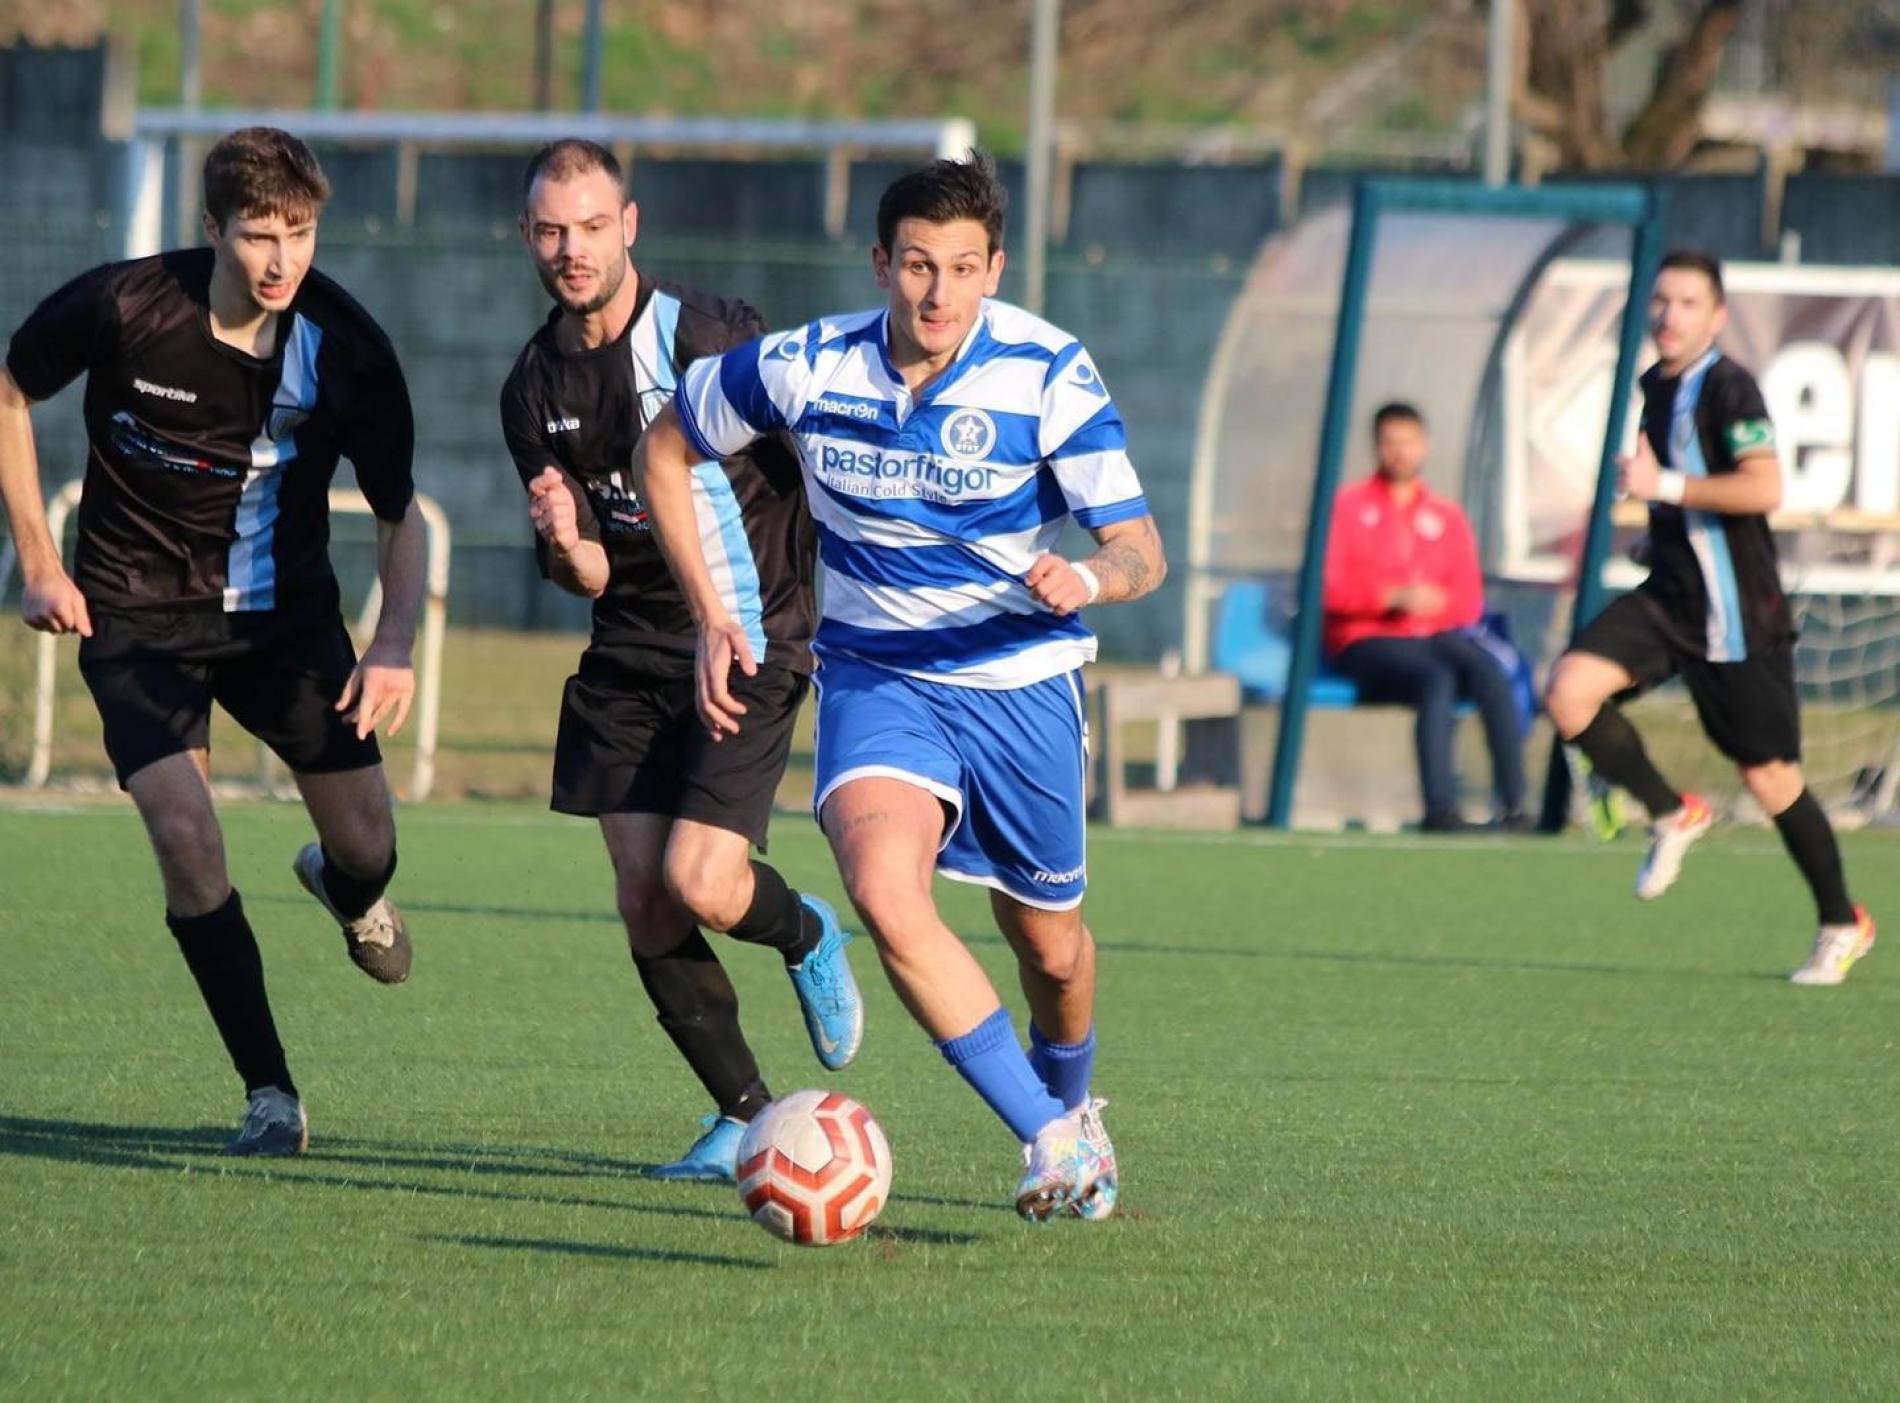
(1665, 131)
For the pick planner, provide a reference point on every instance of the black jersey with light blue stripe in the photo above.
(583, 411)
(208, 475)
(1713, 575)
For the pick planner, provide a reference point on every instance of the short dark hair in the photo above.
(567, 158)
(263, 171)
(1700, 261)
(1402, 411)
(942, 191)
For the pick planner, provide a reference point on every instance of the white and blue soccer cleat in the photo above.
(1069, 1169)
(828, 993)
(1097, 1200)
(711, 1159)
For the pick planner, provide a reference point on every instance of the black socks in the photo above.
(777, 918)
(699, 1009)
(1809, 838)
(222, 954)
(352, 896)
(1616, 752)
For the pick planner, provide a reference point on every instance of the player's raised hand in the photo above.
(1638, 473)
(383, 686)
(722, 646)
(551, 509)
(1056, 585)
(55, 605)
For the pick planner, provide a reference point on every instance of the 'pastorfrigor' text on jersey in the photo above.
(931, 510)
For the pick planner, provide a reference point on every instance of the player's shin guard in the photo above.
(1064, 1067)
(1616, 752)
(222, 955)
(352, 896)
(699, 1009)
(1809, 838)
(990, 1059)
(776, 918)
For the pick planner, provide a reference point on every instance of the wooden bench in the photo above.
(1199, 715)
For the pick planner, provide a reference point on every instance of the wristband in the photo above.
(1670, 486)
(1093, 585)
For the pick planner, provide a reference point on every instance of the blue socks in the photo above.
(990, 1059)
(1063, 1067)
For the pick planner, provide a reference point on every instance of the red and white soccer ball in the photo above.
(814, 1168)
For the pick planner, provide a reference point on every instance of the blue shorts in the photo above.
(1008, 764)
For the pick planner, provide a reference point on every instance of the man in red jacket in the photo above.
(1403, 600)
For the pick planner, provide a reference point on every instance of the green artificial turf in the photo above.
(1397, 1119)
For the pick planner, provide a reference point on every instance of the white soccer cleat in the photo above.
(1835, 950)
(1669, 841)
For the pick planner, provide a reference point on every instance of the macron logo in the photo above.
(146, 387)
(563, 426)
(847, 409)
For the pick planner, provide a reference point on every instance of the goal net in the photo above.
(49, 733)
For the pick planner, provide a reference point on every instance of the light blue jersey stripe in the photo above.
(251, 566)
(747, 604)
(748, 601)
(1727, 643)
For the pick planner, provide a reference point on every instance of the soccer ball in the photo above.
(814, 1168)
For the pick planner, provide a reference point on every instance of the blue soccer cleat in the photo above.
(712, 1159)
(827, 992)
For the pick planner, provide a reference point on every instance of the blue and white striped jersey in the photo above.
(931, 510)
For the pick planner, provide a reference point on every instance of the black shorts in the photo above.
(1749, 709)
(631, 742)
(153, 676)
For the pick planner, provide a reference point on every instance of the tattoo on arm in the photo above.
(1126, 566)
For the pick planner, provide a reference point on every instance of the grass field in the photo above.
(1397, 1119)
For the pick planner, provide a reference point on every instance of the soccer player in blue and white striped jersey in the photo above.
(945, 438)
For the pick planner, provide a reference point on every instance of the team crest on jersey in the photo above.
(968, 433)
(285, 420)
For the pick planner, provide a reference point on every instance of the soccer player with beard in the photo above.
(946, 438)
(223, 386)
(678, 811)
(1711, 611)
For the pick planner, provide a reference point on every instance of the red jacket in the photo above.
(1375, 544)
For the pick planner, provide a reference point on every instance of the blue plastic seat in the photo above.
(1249, 647)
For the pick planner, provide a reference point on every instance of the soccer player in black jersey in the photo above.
(223, 385)
(678, 811)
(1712, 612)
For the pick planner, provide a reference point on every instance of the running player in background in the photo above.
(945, 438)
(223, 385)
(1711, 611)
(678, 813)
